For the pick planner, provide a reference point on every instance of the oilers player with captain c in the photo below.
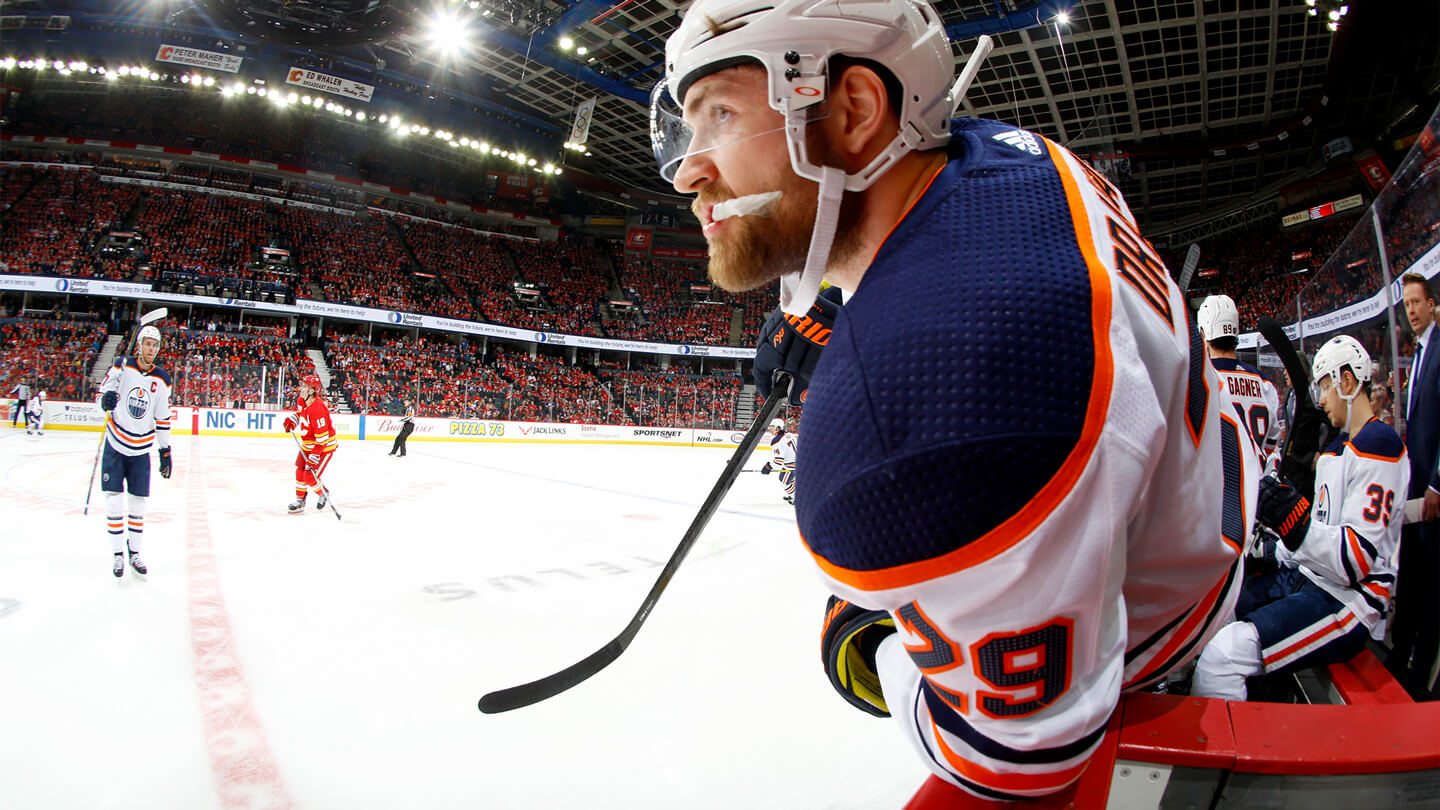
(136, 399)
(1024, 518)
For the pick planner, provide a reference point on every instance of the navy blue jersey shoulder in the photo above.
(1378, 439)
(1230, 364)
(155, 371)
(958, 375)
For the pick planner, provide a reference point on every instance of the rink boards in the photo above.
(60, 415)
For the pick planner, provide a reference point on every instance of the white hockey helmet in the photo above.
(1218, 318)
(148, 332)
(1338, 353)
(777, 424)
(794, 40)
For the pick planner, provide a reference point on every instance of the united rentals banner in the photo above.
(583, 114)
(325, 83)
(194, 57)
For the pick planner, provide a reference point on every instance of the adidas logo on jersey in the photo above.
(1022, 140)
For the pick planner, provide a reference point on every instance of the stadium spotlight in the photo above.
(448, 34)
(582, 50)
(185, 79)
(566, 43)
(58, 65)
(485, 147)
(304, 99)
(209, 81)
(360, 116)
(424, 130)
(1063, 18)
(154, 77)
(237, 87)
(384, 118)
(250, 91)
(292, 98)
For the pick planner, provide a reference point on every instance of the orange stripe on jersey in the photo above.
(1021, 524)
(1374, 456)
(1026, 783)
(119, 434)
(1182, 636)
(1356, 552)
(1333, 626)
(1379, 590)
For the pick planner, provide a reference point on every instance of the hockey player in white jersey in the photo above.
(1255, 398)
(1012, 384)
(1337, 559)
(782, 444)
(136, 400)
(35, 414)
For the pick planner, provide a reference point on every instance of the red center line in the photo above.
(246, 776)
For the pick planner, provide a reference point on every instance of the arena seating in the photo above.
(52, 352)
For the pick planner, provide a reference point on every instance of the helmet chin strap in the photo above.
(798, 291)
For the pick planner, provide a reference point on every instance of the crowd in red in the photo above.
(51, 218)
(51, 352)
(222, 369)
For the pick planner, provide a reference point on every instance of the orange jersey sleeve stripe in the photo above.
(1020, 525)
(1017, 783)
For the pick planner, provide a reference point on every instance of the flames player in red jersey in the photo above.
(317, 436)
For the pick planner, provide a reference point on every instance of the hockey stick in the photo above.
(145, 320)
(1303, 438)
(329, 501)
(552, 685)
(1187, 272)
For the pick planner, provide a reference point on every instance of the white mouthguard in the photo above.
(749, 205)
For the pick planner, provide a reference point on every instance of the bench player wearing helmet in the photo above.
(1255, 398)
(317, 437)
(1024, 516)
(1337, 557)
(136, 399)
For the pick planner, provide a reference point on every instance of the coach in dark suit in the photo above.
(1416, 630)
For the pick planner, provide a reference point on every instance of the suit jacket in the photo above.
(1422, 426)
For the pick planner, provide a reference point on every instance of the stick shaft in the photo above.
(552, 685)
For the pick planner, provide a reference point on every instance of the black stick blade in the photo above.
(525, 694)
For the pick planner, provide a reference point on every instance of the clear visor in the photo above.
(674, 139)
(1319, 387)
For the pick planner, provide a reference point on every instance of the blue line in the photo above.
(626, 493)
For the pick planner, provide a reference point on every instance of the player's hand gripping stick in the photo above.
(793, 343)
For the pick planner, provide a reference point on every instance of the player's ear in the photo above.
(860, 119)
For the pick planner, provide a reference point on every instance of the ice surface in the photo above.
(275, 660)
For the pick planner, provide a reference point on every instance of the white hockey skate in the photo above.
(118, 569)
(138, 564)
(297, 506)
(320, 504)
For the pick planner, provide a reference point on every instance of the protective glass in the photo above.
(674, 139)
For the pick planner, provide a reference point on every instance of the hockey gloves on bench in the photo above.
(1284, 510)
(166, 465)
(793, 343)
(847, 648)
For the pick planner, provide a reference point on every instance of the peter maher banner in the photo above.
(195, 57)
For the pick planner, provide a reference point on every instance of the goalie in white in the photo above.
(1337, 558)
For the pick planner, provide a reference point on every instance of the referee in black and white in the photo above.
(22, 399)
(406, 429)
